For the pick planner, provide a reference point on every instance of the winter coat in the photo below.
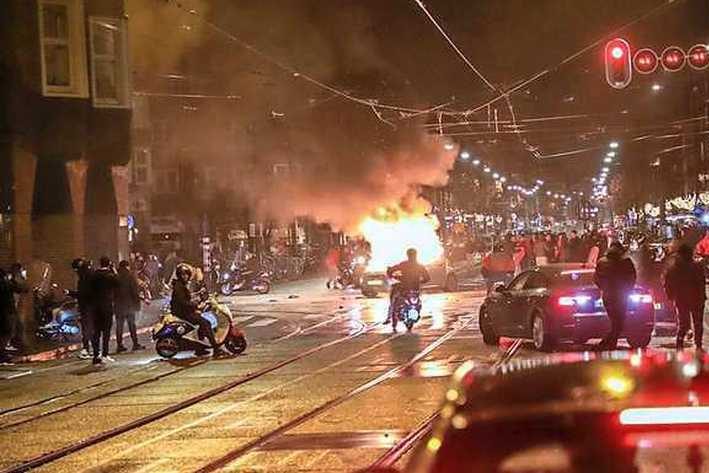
(103, 289)
(615, 276)
(684, 282)
(181, 303)
(127, 293)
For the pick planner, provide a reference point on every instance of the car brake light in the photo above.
(573, 300)
(641, 298)
(665, 415)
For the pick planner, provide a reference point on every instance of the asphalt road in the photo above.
(324, 386)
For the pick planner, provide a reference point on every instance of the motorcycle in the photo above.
(237, 280)
(407, 309)
(57, 315)
(173, 335)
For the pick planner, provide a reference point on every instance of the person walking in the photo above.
(615, 276)
(685, 285)
(127, 305)
(82, 294)
(103, 287)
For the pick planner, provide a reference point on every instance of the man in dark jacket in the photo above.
(615, 276)
(127, 305)
(684, 284)
(103, 289)
(6, 307)
(82, 294)
(184, 308)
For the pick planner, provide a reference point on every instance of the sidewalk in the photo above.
(47, 351)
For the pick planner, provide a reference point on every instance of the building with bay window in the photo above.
(65, 140)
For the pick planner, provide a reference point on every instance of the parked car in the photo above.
(560, 303)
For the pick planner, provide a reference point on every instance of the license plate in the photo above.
(375, 282)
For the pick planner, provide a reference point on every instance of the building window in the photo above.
(140, 165)
(110, 80)
(63, 48)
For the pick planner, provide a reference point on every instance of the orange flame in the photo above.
(391, 231)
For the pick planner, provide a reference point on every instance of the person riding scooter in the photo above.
(410, 274)
(184, 308)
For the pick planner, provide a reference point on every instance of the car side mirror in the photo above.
(500, 288)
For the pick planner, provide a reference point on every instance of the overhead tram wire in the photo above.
(371, 103)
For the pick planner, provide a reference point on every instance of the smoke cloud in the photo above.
(285, 147)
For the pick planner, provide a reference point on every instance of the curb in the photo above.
(65, 351)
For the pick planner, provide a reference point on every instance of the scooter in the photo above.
(173, 335)
(407, 309)
(235, 280)
(57, 317)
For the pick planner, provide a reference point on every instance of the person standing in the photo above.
(19, 286)
(574, 248)
(615, 276)
(82, 294)
(127, 305)
(103, 287)
(6, 306)
(685, 285)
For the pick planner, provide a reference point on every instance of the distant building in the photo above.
(65, 114)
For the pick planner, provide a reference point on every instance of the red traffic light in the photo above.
(673, 59)
(645, 61)
(698, 57)
(619, 71)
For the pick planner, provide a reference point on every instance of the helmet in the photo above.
(79, 263)
(183, 272)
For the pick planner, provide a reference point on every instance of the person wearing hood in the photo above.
(685, 285)
(615, 276)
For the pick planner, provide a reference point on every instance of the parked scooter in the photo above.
(173, 335)
(238, 280)
(57, 314)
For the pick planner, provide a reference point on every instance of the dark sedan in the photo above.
(560, 303)
(617, 412)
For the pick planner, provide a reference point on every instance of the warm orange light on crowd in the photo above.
(392, 231)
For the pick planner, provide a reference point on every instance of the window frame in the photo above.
(119, 58)
(76, 45)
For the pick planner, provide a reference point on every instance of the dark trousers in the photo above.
(205, 328)
(616, 309)
(85, 320)
(121, 318)
(690, 316)
(102, 322)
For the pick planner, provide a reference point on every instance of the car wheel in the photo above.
(639, 340)
(541, 337)
(451, 283)
(488, 332)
